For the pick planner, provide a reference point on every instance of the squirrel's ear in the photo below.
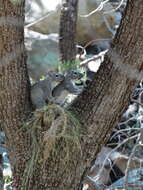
(68, 71)
(50, 73)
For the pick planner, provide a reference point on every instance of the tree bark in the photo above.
(100, 105)
(98, 108)
(108, 95)
(68, 21)
(14, 84)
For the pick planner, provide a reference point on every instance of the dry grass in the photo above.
(48, 127)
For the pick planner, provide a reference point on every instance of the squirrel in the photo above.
(41, 91)
(67, 86)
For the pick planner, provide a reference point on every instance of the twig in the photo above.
(119, 145)
(123, 130)
(82, 54)
(94, 58)
(113, 10)
(39, 20)
(121, 187)
(92, 185)
(125, 122)
(99, 8)
(128, 164)
(96, 41)
(135, 101)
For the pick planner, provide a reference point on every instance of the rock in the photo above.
(42, 53)
(95, 26)
(110, 166)
(36, 9)
(100, 173)
(135, 181)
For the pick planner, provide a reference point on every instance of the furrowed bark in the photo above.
(67, 32)
(99, 107)
(14, 84)
(109, 93)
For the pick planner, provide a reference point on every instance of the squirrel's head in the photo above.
(74, 75)
(55, 76)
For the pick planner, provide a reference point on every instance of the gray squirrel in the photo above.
(41, 91)
(67, 86)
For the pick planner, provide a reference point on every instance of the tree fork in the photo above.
(99, 106)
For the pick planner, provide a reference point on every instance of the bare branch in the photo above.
(128, 164)
(113, 10)
(99, 8)
(119, 145)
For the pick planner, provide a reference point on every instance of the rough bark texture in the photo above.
(68, 21)
(109, 93)
(99, 106)
(14, 96)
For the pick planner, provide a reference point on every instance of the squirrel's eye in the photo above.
(75, 73)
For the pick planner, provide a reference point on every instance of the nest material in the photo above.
(63, 125)
(49, 127)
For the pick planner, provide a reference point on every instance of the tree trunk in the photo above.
(98, 108)
(109, 93)
(14, 83)
(68, 21)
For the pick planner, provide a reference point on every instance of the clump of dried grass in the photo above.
(49, 126)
